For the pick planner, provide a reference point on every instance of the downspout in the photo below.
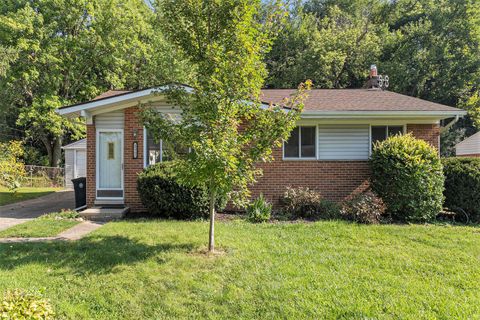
(450, 124)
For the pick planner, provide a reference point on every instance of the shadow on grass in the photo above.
(96, 254)
(7, 197)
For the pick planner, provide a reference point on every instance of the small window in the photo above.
(380, 133)
(111, 151)
(153, 150)
(159, 151)
(301, 143)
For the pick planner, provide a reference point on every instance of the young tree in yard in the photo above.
(222, 119)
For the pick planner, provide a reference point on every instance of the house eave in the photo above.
(115, 100)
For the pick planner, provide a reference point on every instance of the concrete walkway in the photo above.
(75, 233)
(20, 212)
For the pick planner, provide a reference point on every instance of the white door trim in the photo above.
(97, 175)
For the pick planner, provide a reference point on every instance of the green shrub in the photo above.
(407, 174)
(365, 207)
(259, 210)
(308, 204)
(62, 215)
(164, 197)
(18, 304)
(462, 185)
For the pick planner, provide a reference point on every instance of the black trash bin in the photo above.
(80, 187)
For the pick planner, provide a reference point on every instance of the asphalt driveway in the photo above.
(15, 213)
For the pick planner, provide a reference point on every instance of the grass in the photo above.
(38, 228)
(326, 270)
(24, 193)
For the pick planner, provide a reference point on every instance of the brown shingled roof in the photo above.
(110, 93)
(341, 100)
(356, 100)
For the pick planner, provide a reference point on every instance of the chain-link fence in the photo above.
(38, 176)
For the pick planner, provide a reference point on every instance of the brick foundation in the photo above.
(427, 132)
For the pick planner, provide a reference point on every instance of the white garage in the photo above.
(469, 147)
(75, 161)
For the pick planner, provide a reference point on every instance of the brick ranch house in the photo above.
(328, 151)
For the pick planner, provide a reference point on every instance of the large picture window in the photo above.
(301, 144)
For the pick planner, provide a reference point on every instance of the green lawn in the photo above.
(7, 197)
(38, 228)
(331, 270)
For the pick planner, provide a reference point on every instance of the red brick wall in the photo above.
(132, 166)
(335, 180)
(427, 132)
(91, 164)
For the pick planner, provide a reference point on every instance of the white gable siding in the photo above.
(80, 144)
(110, 120)
(343, 141)
(470, 145)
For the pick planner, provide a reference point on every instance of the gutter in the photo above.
(383, 114)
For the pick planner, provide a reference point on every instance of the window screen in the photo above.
(307, 142)
(394, 130)
(291, 146)
(380, 133)
(301, 144)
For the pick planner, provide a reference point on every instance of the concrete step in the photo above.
(104, 213)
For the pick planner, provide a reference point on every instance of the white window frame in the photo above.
(300, 158)
(404, 126)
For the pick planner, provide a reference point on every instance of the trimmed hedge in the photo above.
(462, 185)
(164, 197)
(407, 174)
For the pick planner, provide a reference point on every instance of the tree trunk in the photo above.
(56, 152)
(211, 238)
(49, 148)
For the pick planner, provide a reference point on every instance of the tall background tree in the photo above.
(430, 49)
(58, 52)
(68, 51)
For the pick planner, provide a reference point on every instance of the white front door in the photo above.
(109, 163)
